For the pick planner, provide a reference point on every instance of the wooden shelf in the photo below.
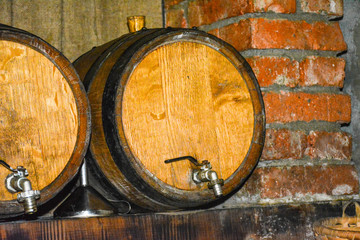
(276, 222)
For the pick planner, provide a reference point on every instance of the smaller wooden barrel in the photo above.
(160, 94)
(44, 116)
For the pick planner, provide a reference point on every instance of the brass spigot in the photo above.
(136, 23)
(17, 181)
(204, 174)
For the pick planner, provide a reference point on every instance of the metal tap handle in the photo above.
(7, 166)
(204, 174)
(190, 158)
(17, 182)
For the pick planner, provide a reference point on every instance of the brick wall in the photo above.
(292, 47)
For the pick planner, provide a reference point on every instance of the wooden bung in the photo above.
(44, 116)
(136, 23)
(160, 94)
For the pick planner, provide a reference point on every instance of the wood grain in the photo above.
(280, 222)
(98, 145)
(38, 115)
(182, 99)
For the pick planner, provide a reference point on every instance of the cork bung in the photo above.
(135, 23)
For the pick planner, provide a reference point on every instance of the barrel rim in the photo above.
(111, 180)
(122, 75)
(7, 33)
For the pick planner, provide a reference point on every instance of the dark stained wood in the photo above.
(287, 222)
(166, 93)
(84, 62)
(53, 66)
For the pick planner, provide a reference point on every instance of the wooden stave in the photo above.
(100, 180)
(159, 201)
(13, 208)
(86, 61)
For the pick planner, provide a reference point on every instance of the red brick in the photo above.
(287, 107)
(279, 182)
(287, 34)
(263, 33)
(283, 144)
(289, 144)
(202, 12)
(329, 145)
(330, 7)
(237, 34)
(278, 6)
(322, 71)
(175, 18)
(170, 3)
(275, 70)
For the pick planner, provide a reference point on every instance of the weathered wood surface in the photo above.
(255, 223)
(74, 26)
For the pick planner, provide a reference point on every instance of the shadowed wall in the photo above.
(74, 27)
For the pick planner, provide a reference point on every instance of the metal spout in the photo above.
(205, 174)
(18, 182)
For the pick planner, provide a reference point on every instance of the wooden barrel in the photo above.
(160, 94)
(44, 116)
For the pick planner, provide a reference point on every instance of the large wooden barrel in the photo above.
(44, 116)
(160, 94)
